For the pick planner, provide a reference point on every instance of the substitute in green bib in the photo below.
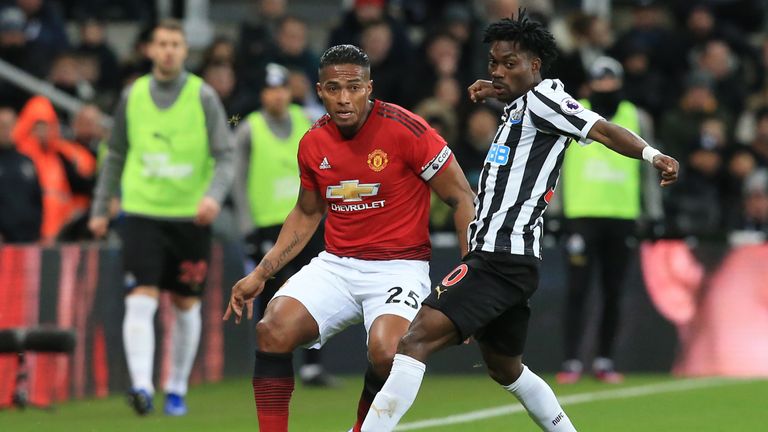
(171, 156)
(601, 203)
(267, 186)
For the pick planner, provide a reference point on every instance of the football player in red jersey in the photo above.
(370, 165)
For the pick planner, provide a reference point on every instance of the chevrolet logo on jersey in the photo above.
(352, 190)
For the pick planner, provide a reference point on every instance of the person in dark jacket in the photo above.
(20, 196)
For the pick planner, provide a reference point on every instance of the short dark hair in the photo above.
(344, 54)
(529, 35)
(169, 24)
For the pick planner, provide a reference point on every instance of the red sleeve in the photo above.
(307, 176)
(430, 153)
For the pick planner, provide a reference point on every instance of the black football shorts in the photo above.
(170, 255)
(486, 296)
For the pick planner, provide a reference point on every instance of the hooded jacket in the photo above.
(52, 158)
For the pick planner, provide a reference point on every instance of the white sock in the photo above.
(185, 339)
(397, 395)
(139, 339)
(540, 401)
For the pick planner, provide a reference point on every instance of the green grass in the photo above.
(228, 407)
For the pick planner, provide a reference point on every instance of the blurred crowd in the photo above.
(699, 68)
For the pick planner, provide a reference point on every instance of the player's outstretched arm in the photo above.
(627, 143)
(297, 229)
(451, 186)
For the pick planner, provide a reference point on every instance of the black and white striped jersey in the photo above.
(522, 167)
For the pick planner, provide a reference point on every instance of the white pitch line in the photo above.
(579, 398)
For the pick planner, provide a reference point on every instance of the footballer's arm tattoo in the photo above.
(271, 268)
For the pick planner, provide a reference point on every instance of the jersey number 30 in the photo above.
(498, 154)
(411, 300)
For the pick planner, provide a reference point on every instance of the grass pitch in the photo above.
(445, 403)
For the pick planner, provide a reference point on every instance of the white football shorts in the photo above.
(339, 292)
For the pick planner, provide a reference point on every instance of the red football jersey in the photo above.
(375, 183)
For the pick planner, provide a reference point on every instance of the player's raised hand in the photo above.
(243, 294)
(668, 167)
(480, 90)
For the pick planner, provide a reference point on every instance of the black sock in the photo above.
(272, 389)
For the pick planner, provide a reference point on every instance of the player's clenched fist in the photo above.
(480, 90)
(668, 167)
(243, 294)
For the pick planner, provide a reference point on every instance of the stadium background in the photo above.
(89, 49)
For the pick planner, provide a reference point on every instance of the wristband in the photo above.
(649, 153)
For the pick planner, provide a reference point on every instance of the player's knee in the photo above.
(413, 343)
(381, 360)
(272, 337)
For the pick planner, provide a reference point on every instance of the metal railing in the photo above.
(35, 85)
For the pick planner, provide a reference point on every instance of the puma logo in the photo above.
(440, 291)
(389, 410)
(160, 137)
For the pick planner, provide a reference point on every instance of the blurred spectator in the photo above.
(20, 196)
(448, 91)
(221, 50)
(717, 59)
(291, 50)
(745, 16)
(481, 127)
(13, 49)
(648, 30)
(695, 206)
(143, 11)
(87, 128)
(221, 77)
(498, 9)
(646, 87)
(68, 74)
(364, 12)
(756, 99)
(138, 62)
(257, 35)
(682, 125)
(440, 59)
(89, 133)
(63, 167)
(742, 162)
(303, 93)
(754, 210)
(442, 118)
(592, 36)
(44, 28)
(376, 41)
(93, 43)
(458, 21)
(703, 26)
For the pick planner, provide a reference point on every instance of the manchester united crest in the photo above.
(377, 160)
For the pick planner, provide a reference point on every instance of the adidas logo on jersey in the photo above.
(324, 164)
